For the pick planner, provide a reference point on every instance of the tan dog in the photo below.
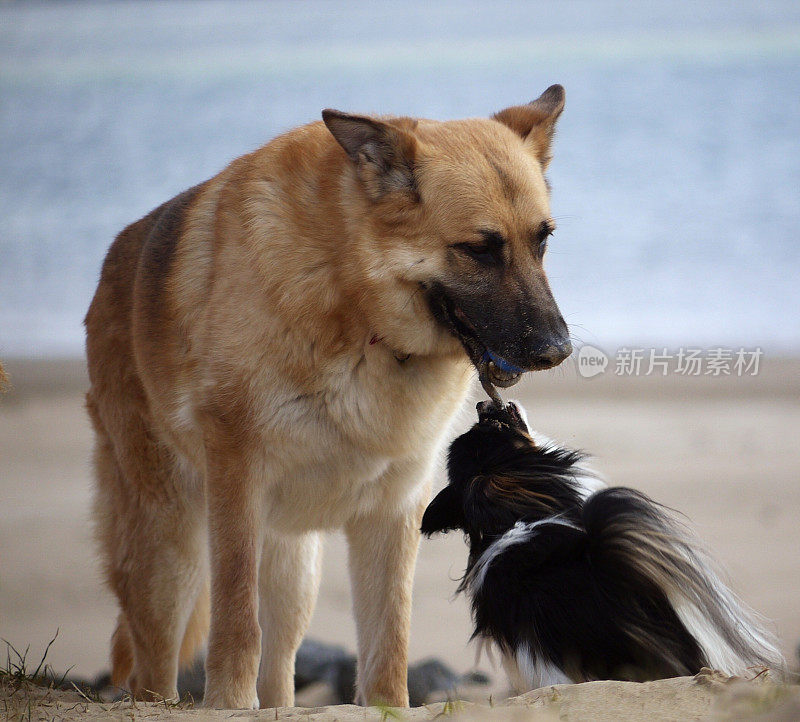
(279, 351)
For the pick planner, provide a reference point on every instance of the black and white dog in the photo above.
(573, 581)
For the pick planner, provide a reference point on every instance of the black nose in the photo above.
(553, 353)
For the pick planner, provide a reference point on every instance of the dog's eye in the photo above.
(481, 253)
(544, 231)
(542, 247)
(488, 253)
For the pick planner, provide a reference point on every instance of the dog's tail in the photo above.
(193, 639)
(196, 632)
(630, 534)
(121, 653)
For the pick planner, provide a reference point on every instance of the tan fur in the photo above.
(240, 407)
(3, 379)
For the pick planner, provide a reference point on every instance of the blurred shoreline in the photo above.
(36, 377)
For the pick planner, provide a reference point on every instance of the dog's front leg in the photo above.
(383, 551)
(288, 583)
(235, 521)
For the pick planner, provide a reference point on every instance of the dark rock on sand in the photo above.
(316, 663)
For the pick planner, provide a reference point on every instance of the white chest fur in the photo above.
(369, 436)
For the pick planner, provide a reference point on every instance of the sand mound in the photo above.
(708, 695)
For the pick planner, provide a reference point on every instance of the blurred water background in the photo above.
(677, 164)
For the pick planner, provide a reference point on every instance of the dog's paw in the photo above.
(228, 699)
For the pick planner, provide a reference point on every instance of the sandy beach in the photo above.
(723, 450)
(707, 696)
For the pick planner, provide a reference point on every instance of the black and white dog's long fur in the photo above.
(574, 581)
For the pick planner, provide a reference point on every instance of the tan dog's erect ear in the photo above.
(382, 152)
(536, 121)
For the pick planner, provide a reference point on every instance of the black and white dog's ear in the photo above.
(445, 513)
(520, 416)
